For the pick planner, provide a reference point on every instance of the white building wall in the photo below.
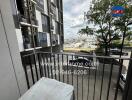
(48, 40)
(53, 21)
(38, 17)
(58, 38)
(12, 77)
(19, 39)
(57, 17)
(8, 84)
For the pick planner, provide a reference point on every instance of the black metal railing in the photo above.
(93, 77)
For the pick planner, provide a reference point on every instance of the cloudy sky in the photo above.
(74, 16)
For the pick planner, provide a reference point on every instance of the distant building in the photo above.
(83, 41)
(90, 41)
(38, 24)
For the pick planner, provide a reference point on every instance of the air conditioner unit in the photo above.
(42, 39)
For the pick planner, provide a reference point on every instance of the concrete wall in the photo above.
(12, 78)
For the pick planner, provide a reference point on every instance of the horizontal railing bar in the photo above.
(82, 55)
(27, 55)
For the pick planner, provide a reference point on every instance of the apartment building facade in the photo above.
(38, 25)
(16, 25)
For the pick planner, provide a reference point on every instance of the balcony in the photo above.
(93, 78)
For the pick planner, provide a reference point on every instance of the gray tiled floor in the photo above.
(82, 86)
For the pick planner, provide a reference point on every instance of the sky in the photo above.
(74, 16)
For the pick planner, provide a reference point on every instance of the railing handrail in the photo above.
(92, 56)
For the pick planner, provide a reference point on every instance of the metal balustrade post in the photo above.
(127, 95)
(25, 70)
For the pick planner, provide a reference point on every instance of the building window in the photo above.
(62, 39)
(60, 17)
(59, 4)
(45, 23)
(27, 40)
(61, 29)
(20, 6)
(57, 28)
(15, 15)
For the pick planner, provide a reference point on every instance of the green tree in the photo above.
(129, 36)
(107, 28)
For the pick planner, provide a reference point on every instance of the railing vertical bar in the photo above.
(26, 74)
(102, 80)
(82, 78)
(44, 65)
(73, 80)
(36, 70)
(47, 63)
(72, 72)
(77, 81)
(40, 66)
(55, 68)
(58, 65)
(51, 66)
(88, 82)
(32, 74)
(95, 78)
(110, 76)
(117, 84)
(67, 70)
(63, 67)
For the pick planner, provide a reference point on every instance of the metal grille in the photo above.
(97, 80)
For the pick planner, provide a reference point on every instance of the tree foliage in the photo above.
(107, 28)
